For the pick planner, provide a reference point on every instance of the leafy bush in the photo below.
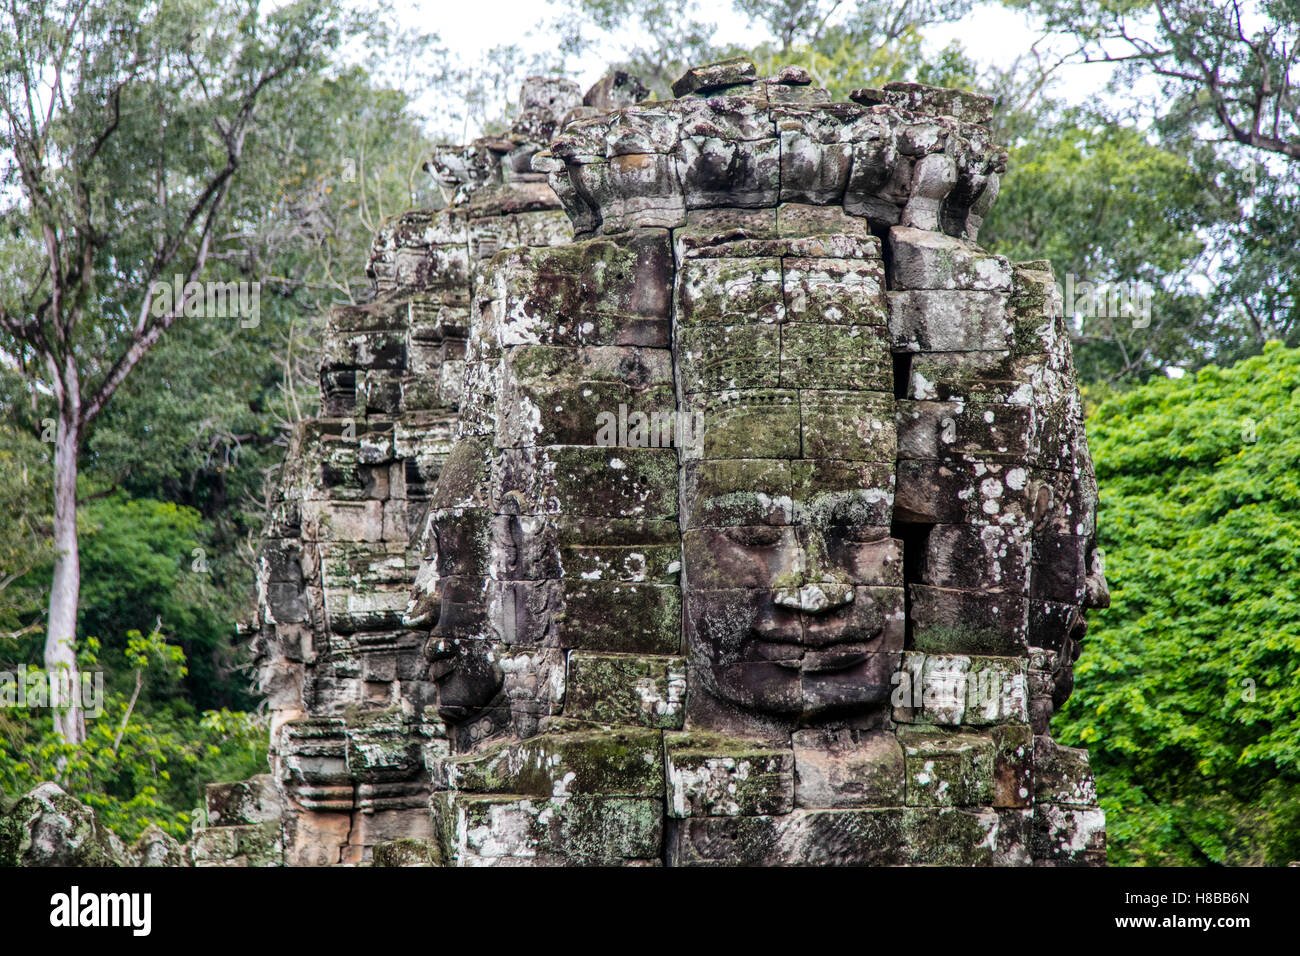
(1187, 692)
(141, 763)
(143, 561)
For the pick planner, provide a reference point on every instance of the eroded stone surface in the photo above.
(755, 522)
(46, 827)
(347, 680)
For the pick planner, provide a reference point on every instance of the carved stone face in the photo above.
(793, 596)
(885, 478)
(452, 585)
(822, 393)
(793, 600)
(466, 676)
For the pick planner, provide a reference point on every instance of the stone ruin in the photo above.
(750, 520)
(346, 681)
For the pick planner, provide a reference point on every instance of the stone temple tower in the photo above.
(696, 491)
(346, 680)
(769, 523)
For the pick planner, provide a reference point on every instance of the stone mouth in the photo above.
(785, 646)
(737, 139)
(826, 662)
(782, 633)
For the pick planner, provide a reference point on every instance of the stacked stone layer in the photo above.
(347, 680)
(829, 629)
(752, 525)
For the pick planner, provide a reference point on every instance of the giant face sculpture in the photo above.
(884, 484)
(793, 582)
(802, 614)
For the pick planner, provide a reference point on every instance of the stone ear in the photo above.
(932, 180)
(980, 208)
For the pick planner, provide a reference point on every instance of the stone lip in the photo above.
(737, 140)
(545, 105)
(713, 76)
(933, 100)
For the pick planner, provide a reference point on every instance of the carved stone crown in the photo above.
(904, 154)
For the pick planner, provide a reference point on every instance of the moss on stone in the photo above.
(615, 763)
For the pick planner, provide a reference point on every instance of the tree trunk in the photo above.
(61, 637)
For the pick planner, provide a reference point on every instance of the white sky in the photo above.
(991, 34)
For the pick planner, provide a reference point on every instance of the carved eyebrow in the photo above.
(833, 502)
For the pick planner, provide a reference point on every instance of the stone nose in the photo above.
(815, 598)
(808, 584)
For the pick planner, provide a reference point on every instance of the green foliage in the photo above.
(173, 470)
(140, 764)
(158, 772)
(202, 421)
(850, 45)
(844, 45)
(1187, 692)
(841, 62)
(142, 562)
(1258, 297)
(666, 36)
(152, 652)
(1108, 205)
(24, 543)
(1198, 78)
(138, 571)
(1217, 65)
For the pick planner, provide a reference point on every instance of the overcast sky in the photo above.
(991, 34)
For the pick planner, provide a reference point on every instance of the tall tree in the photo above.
(124, 124)
(1227, 65)
(663, 37)
(1116, 211)
(24, 545)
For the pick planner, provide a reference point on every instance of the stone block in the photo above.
(957, 430)
(827, 291)
(586, 481)
(821, 356)
(626, 690)
(729, 291)
(626, 763)
(725, 357)
(1062, 775)
(254, 800)
(621, 617)
(747, 423)
(955, 688)
(932, 260)
(1068, 837)
(947, 768)
(711, 775)
(854, 426)
(949, 321)
(847, 768)
(508, 830)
